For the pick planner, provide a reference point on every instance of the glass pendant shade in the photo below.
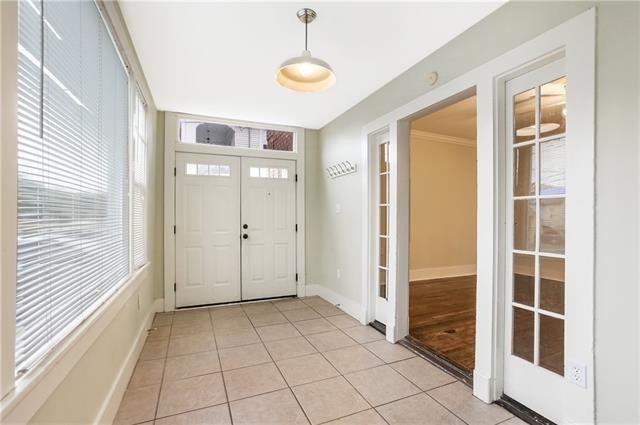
(305, 73)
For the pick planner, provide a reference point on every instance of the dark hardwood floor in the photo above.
(442, 317)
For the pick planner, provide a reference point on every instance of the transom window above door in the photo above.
(235, 136)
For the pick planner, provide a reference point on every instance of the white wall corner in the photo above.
(109, 408)
(352, 308)
(158, 305)
(483, 387)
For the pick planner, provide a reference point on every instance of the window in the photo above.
(139, 198)
(73, 214)
(235, 136)
(213, 170)
(269, 173)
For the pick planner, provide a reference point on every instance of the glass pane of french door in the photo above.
(538, 195)
(383, 219)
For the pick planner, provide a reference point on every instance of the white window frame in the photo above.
(173, 145)
(575, 40)
(20, 398)
(136, 93)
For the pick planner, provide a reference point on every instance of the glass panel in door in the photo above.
(538, 205)
(383, 219)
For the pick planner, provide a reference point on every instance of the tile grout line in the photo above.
(346, 380)
(164, 366)
(287, 383)
(224, 384)
(445, 407)
(306, 338)
(342, 375)
(354, 388)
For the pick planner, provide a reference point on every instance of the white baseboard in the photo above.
(345, 304)
(441, 272)
(112, 402)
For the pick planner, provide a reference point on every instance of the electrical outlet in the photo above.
(338, 273)
(577, 374)
(338, 208)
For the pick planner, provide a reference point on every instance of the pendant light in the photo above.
(305, 73)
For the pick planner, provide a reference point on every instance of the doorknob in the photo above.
(245, 236)
(245, 226)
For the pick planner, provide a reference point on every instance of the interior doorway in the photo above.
(442, 236)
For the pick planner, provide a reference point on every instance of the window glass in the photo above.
(191, 169)
(139, 197)
(73, 172)
(212, 170)
(235, 136)
(225, 171)
(269, 173)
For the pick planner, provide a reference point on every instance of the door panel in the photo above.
(383, 174)
(268, 210)
(538, 322)
(207, 229)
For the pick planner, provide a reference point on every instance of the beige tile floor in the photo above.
(288, 362)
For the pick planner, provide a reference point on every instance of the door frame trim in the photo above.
(574, 39)
(173, 145)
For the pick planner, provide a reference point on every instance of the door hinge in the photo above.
(296, 277)
(296, 176)
(174, 229)
(175, 171)
(296, 227)
(174, 287)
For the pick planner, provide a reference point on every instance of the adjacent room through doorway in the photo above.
(442, 264)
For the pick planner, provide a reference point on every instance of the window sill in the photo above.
(33, 389)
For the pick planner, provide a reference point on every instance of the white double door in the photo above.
(235, 229)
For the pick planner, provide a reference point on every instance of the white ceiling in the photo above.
(220, 59)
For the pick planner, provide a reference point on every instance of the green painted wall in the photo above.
(616, 268)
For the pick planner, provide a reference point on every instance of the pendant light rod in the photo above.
(306, 16)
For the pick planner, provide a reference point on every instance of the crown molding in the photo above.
(442, 138)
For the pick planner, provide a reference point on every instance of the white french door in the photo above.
(548, 248)
(235, 229)
(382, 242)
(207, 229)
(269, 228)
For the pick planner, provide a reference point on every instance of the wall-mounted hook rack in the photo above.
(341, 169)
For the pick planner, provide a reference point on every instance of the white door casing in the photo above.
(269, 241)
(207, 229)
(575, 41)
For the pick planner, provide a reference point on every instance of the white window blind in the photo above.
(139, 202)
(72, 247)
